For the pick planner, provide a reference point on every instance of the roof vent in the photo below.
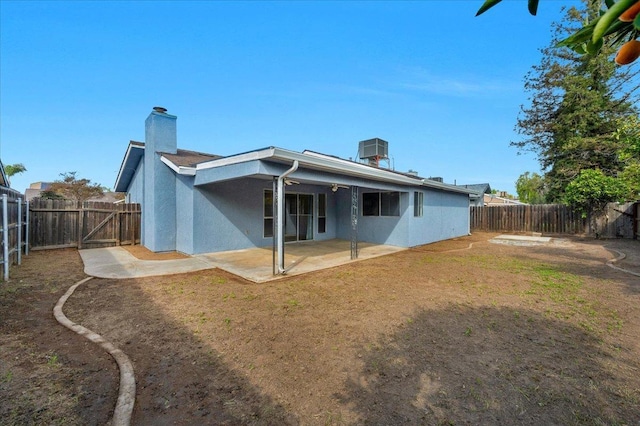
(160, 109)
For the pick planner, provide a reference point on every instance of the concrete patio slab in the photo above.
(526, 240)
(254, 264)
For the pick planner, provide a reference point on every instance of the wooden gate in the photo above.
(64, 223)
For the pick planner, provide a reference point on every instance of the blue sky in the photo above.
(444, 88)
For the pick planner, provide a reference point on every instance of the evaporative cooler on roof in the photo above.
(373, 150)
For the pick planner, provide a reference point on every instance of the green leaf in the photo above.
(593, 48)
(609, 3)
(609, 17)
(636, 22)
(533, 7)
(488, 4)
(579, 37)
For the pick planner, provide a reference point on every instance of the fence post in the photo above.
(80, 224)
(19, 229)
(5, 237)
(26, 225)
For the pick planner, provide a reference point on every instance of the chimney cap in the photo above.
(160, 109)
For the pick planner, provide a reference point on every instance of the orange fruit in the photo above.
(630, 14)
(629, 52)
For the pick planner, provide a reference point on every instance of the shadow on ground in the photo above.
(501, 366)
(179, 378)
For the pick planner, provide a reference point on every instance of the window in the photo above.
(418, 201)
(268, 214)
(381, 204)
(322, 213)
(371, 204)
(389, 204)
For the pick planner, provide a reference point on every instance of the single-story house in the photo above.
(195, 203)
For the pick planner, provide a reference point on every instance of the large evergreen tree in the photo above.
(577, 105)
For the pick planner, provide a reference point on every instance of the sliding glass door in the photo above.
(298, 217)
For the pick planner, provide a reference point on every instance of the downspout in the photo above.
(280, 230)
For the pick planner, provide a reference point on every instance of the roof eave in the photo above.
(181, 170)
(120, 185)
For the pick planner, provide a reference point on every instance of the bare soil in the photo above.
(439, 334)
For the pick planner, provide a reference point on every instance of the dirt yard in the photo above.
(440, 334)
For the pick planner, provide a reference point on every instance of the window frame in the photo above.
(322, 213)
(265, 217)
(418, 204)
(381, 204)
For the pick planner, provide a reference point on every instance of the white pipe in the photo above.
(280, 227)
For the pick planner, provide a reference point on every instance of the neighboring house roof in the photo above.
(107, 197)
(189, 163)
(40, 185)
(482, 188)
(493, 200)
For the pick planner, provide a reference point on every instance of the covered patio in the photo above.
(254, 264)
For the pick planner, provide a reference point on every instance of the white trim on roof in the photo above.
(181, 170)
(235, 159)
(125, 160)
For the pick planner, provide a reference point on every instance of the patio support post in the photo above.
(274, 230)
(19, 236)
(5, 237)
(280, 211)
(354, 222)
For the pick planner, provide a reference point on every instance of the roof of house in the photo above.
(188, 163)
(185, 158)
(494, 200)
(4, 181)
(483, 188)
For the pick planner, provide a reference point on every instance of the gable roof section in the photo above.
(482, 188)
(135, 151)
(4, 181)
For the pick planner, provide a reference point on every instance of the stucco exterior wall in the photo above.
(229, 215)
(445, 216)
(185, 230)
(135, 192)
(159, 207)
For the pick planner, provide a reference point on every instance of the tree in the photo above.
(592, 189)
(72, 188)
(577, 105)
(530, 188)
(629, 136)
(620, 21)
(14, 169)
(48, 194)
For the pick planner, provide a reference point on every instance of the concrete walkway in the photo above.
(254, 264)
(116, 262)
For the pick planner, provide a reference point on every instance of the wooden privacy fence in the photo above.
(64, 223)
(544, 218)
(14, 231)
(614, 221)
